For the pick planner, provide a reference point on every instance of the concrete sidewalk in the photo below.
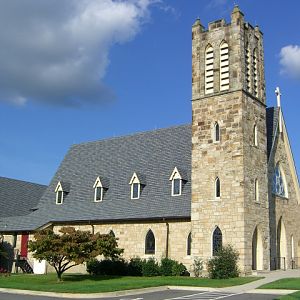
(269, 277)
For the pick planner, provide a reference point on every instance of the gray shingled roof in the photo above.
(17, 197)
(151, 155)
(272, 121)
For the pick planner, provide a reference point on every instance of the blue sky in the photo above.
(100, 69)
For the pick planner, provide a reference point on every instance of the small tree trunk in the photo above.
(59, 274)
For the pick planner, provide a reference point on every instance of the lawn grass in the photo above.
(283, 284)
(294, 296)
(76, 283)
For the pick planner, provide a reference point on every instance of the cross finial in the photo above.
(278, 94)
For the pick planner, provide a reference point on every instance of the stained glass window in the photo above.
(217, 241)
(189, 244)
(150, 243)
(217, 188)
(279, 187)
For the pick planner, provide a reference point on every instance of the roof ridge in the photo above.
(23, 181)
(139, 133)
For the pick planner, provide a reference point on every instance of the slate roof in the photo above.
(272, 114)
(17, 197)
(152, 155)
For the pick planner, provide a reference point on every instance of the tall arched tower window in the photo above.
(216, 241)
(209, 70)
(255, 73)
(224, 66)
(255, 137)
(150, 243)
(217, 188)
(189, 244)
(216, 132)
(256, 190)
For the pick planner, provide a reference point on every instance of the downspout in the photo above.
(167, 240)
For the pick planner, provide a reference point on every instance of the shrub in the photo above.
(170, 267)
(224, 264)
(135, 267)
(150, 268)
(166, 266)
(4, 272)
(198, 266)
(178, 269)
(107, 267)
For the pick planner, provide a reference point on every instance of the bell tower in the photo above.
(229, 158)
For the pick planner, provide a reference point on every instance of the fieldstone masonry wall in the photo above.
(234, 159)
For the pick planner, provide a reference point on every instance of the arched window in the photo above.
(224, 66)
(248, 68)
(216, 132)
(209, 70)
(255, 137)
(256, 190)
(189, 244)
(111, 232)
(279, 182)
(217, 188)
(150, 243)
(216, 241)
(255, 73)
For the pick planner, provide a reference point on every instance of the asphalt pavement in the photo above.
(160, 295)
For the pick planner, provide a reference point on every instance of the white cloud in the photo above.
(57, 51)
(290, 61)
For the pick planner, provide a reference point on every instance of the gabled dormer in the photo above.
(61, 190)
(137, 182)
(100, 187)
(178, 178)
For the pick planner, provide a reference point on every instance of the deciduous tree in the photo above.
(72, 247)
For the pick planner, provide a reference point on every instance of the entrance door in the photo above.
(24, 245)
(257, 250)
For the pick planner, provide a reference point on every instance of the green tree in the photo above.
(72, 247)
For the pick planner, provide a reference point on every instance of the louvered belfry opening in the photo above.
(248, 68)
(209, 70)
(255, 73)
(224, 67)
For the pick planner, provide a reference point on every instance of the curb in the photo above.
(85, 296)
(137, 291)
(271, 292)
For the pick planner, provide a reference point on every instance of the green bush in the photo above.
(150, 268)
(170, 267)
(107, 267)
(135, 267)
(179, 269)
(166, 266)
(198, 266)
(224, 264)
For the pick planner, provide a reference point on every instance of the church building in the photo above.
(228, 177)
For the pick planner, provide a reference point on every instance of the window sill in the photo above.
(215, 200)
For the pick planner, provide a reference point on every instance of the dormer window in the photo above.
(177, 179)
(137, 182)
(100, 186)
(61, 190)
(59, 197)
